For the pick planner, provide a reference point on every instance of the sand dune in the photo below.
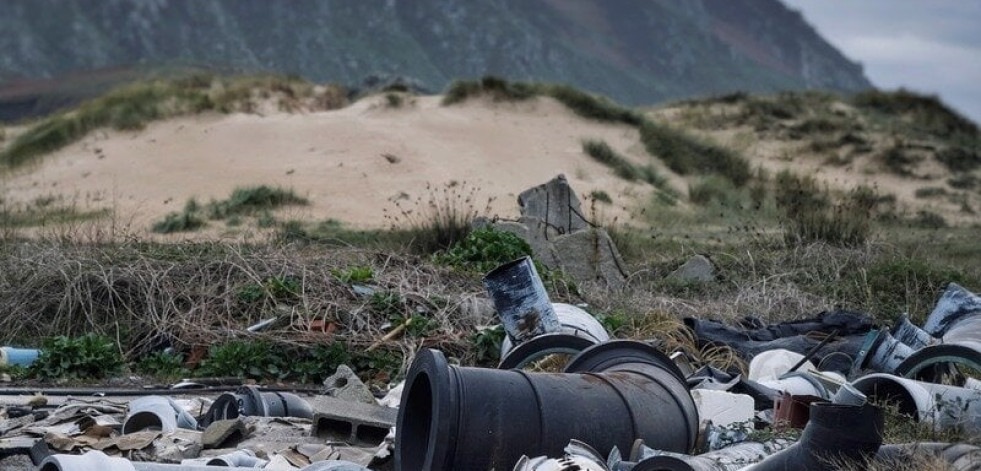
(339, 160)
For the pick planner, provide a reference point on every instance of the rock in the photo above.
(555, 204)
(346, 386)
(698, 268)
(177, 446)
(589, 257)
(223, 433)
(16, 463)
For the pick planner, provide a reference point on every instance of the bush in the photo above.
(485, 249)
(594, 107)
(714, 188)
(930, 192)
(437, 222)
(487, 345)
(601, 196)
(927, 113)
(90, 356)
(814, 216)
(178, 222)
(245, 359)
(688, 155)
(960, 159)
(898, 160)
(354, 274)
(163, 365)
(253, 200)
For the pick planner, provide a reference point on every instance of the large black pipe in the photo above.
(835, 435)
(459, 418)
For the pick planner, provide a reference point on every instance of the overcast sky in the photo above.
(931, 46)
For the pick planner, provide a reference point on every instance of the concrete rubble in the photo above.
(612, 405)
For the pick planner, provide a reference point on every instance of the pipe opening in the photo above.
(417, 423)
(50, 466)
(371, 434)
(144, 420)
(334, 429)
(892, 393)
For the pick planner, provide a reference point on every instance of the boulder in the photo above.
(555, 204)
(346, 386)
(589, 257)
(698, 268)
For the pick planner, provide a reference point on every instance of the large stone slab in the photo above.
(555, 204)
(590, 256)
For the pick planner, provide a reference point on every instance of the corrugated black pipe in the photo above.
(835, 435)
(459, 418)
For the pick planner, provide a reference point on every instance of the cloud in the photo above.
(925, 45)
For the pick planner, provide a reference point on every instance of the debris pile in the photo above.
(565, 396)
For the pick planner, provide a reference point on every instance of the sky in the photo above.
(929, 46)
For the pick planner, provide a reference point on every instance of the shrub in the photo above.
(484, 249)
(254, 199)
(688, 155)
(964, 181)
(601, 197)
(354, 274)
(277, 288)
(898, 160)
(930, 220)
(487, 345)
(178, 222)
(814, 216)
(437, 222)
(594, 107)
(90, 356)
(245, 359)
(930, 192)
(927, 113)
(960, 159)
(163, 365)
(714, 188)
(394, 100)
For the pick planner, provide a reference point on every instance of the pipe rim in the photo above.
(505, 267)
(542, 346)
(604, 356)
(429, 388)
(961, 353)
(895, 389)
(872, 342)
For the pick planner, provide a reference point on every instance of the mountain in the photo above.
(635, 51)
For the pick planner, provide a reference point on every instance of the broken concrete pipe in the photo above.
(579, 330)
(11, 356)
(731, 458)
(238, 458)
(455, 418)
(157, 413)
(881, 352)
(99, 461)
(943, 406)
(957, 456)
(250, 401)
(835, 435)
(578, 456)
(908, 333)
(956, 321)
(521, 301)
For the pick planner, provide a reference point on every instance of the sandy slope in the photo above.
(336, 159)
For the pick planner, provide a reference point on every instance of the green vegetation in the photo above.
(437, 221)
(249, 201)
(163, 365)
(600, 196)
(354, 274)
(623, 168)
(178, 222)
(961, 159)
(926, 113)
(276, 288)
(132, 107)
(484, 249)
(89, 356)
(681, 151)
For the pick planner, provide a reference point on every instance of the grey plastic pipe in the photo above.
(958, 456)
(943, 406)
(521, 301)
(956, 320)
(798, 384)
(881, 352)
(157, 413)
(908, 333)
(334, 465)
(99, 461)
(241, 458)
(250, 401)
(579, 331)
(730, 458)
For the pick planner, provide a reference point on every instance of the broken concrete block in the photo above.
(554, 203)
(344, 384)
(697, 268)
(722, 408)
(353, 423)
(223, 433)
(590, 256)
